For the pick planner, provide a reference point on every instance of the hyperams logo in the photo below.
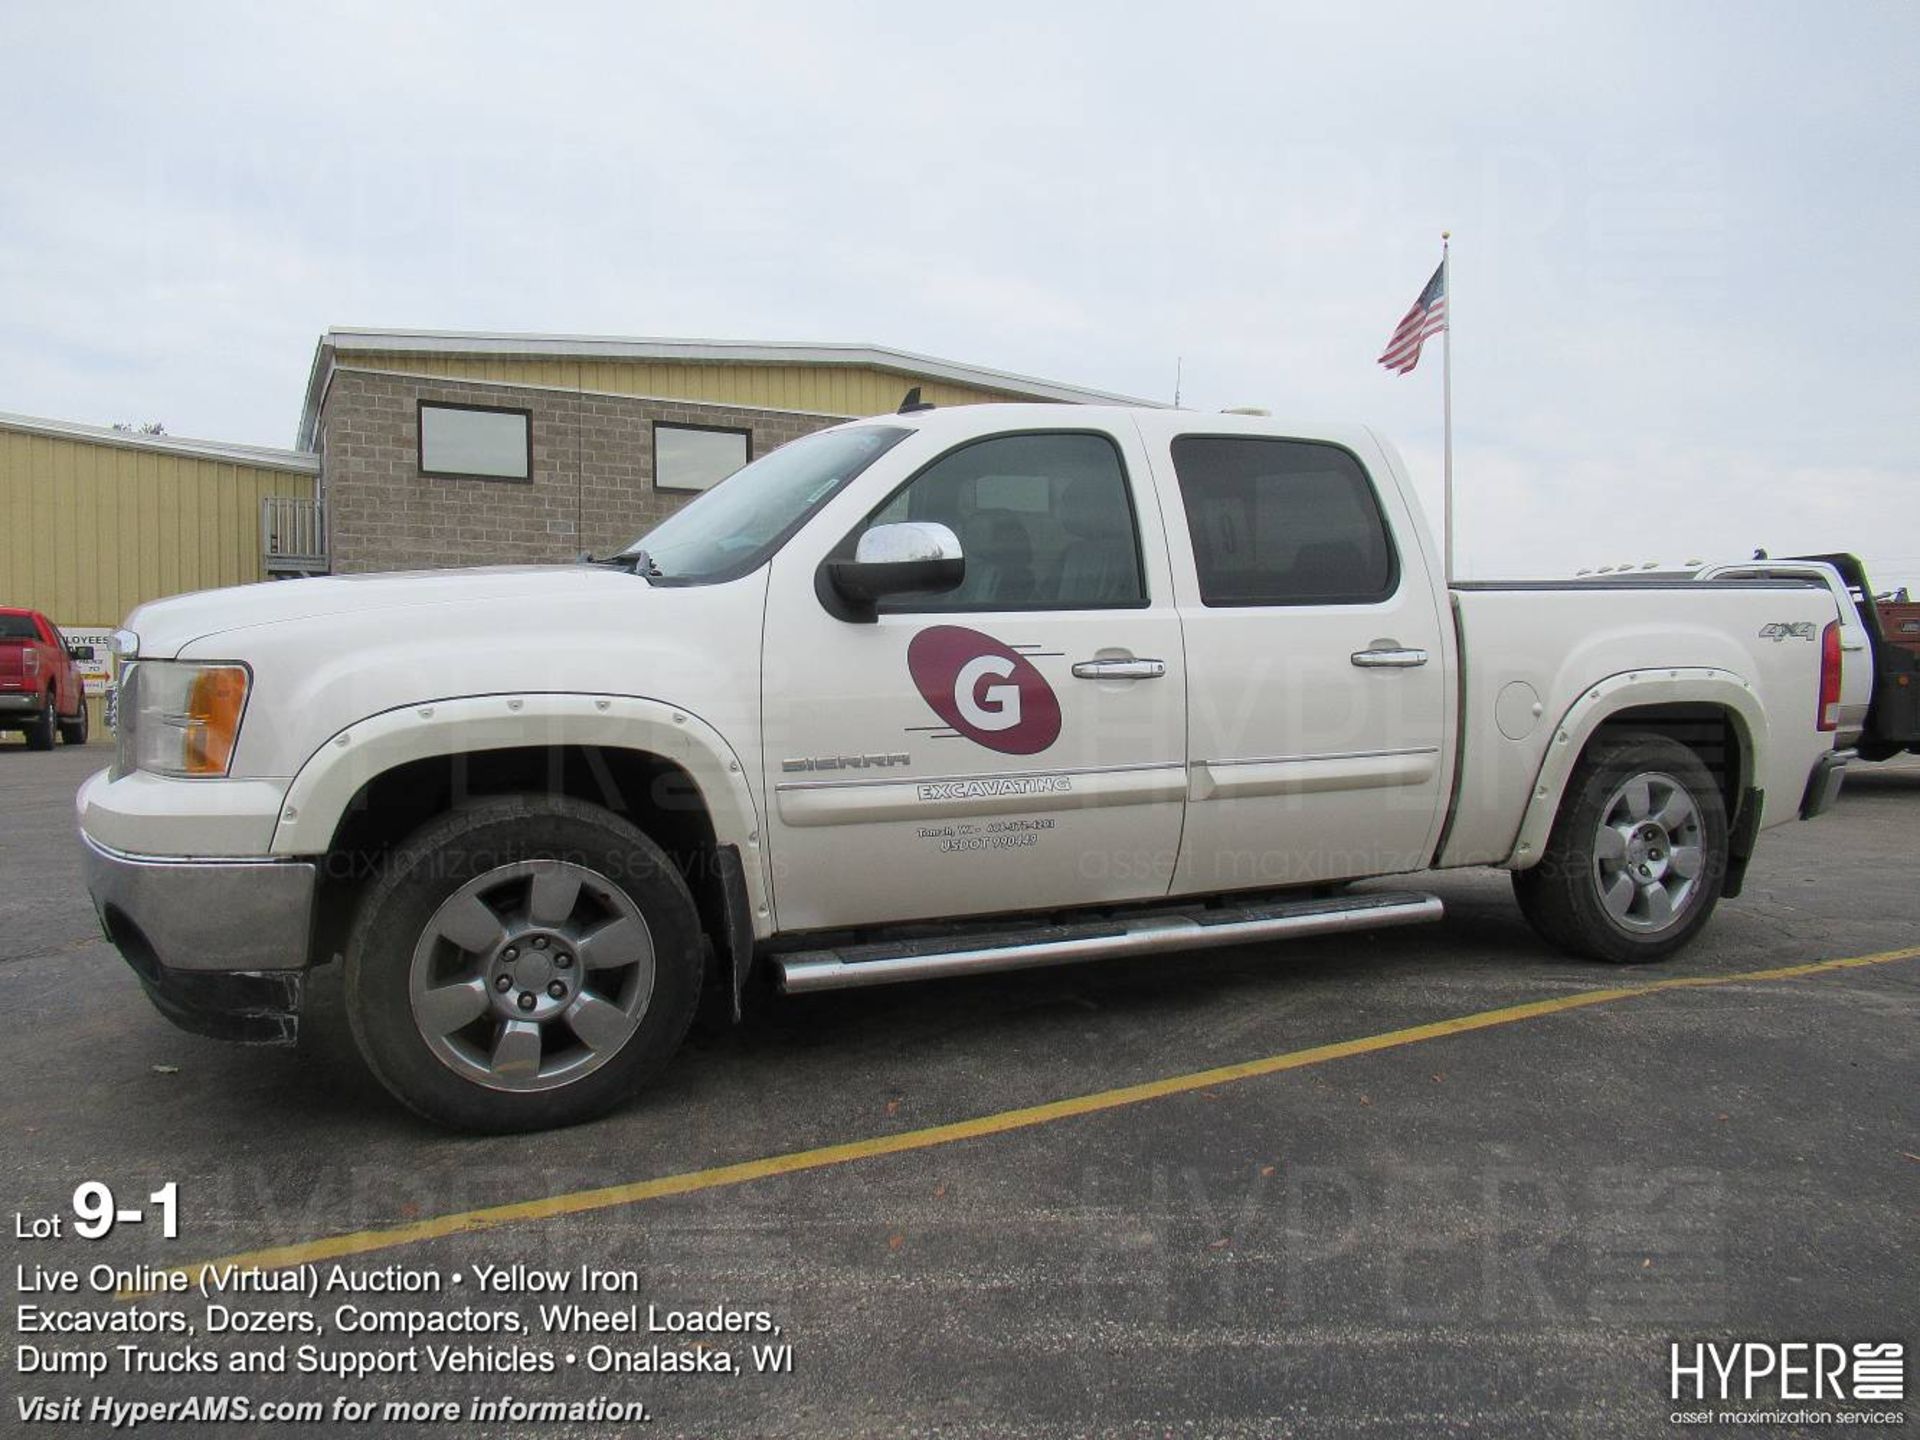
(1746, 1382)
(987, 691)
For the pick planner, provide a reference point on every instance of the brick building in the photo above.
(438, 448)
(591, 480)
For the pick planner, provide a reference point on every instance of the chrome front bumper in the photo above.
(221, 945)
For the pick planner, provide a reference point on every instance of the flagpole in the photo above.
(1446, 392)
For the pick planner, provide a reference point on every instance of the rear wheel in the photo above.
(40, 729)
(524, 963)
(1637, 856)
(74, 731)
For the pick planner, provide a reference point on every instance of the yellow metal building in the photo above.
(95, 521)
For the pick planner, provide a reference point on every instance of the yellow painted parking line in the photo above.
(361, 1242)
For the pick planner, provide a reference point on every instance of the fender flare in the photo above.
(327, 781)
(1629, 690)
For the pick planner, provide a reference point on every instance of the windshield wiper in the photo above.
(634, 562)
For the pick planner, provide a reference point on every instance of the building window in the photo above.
(475, 442)
(697, 457)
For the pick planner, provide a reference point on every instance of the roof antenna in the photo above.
(1179, 364)
(912, 402)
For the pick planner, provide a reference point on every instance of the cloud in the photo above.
(1682, 286)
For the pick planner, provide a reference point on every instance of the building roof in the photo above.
(261, 456)
(339, 345)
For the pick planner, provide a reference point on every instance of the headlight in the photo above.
(178, 718)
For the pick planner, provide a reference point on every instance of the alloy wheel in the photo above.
(532, 975)
(1648, 853)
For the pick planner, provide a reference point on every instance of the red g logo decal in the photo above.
(987, 691)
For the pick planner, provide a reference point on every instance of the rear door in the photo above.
(1318, 692)
(1015, 745)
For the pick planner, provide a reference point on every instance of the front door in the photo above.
(1014, 745)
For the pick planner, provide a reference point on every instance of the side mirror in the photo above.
(80, 652)
(918, 557)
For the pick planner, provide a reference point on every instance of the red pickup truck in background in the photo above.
(40, 688)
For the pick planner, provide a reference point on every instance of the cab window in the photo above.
(1282, 522)
(1045, 521)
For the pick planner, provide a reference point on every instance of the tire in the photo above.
(492, 933)
(74, 731)
(40, 730)
(1639, 813)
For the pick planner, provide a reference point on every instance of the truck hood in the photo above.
(330, 652)
(166, 627)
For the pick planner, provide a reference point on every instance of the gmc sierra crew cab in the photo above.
(935, 693)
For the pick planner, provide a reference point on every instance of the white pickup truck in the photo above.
(935, 693)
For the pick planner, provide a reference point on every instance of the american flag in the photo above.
(1427, 317)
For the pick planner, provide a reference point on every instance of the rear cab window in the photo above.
(1283, 522)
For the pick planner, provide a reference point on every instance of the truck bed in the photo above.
(1550, 643)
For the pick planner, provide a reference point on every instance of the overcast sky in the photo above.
(1685, 234)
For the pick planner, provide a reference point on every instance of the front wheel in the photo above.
(523, 963)
(1637, 856)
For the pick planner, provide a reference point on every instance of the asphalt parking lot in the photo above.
(1496, 1231)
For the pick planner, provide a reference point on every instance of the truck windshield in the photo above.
(734, 527)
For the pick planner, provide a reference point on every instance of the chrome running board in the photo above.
(1150, 933)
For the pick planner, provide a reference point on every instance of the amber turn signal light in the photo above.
(214, 705)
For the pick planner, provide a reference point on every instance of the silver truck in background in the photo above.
(1880, 688)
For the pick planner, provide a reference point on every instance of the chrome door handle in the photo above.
(1394, 659)
(1120, 669)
